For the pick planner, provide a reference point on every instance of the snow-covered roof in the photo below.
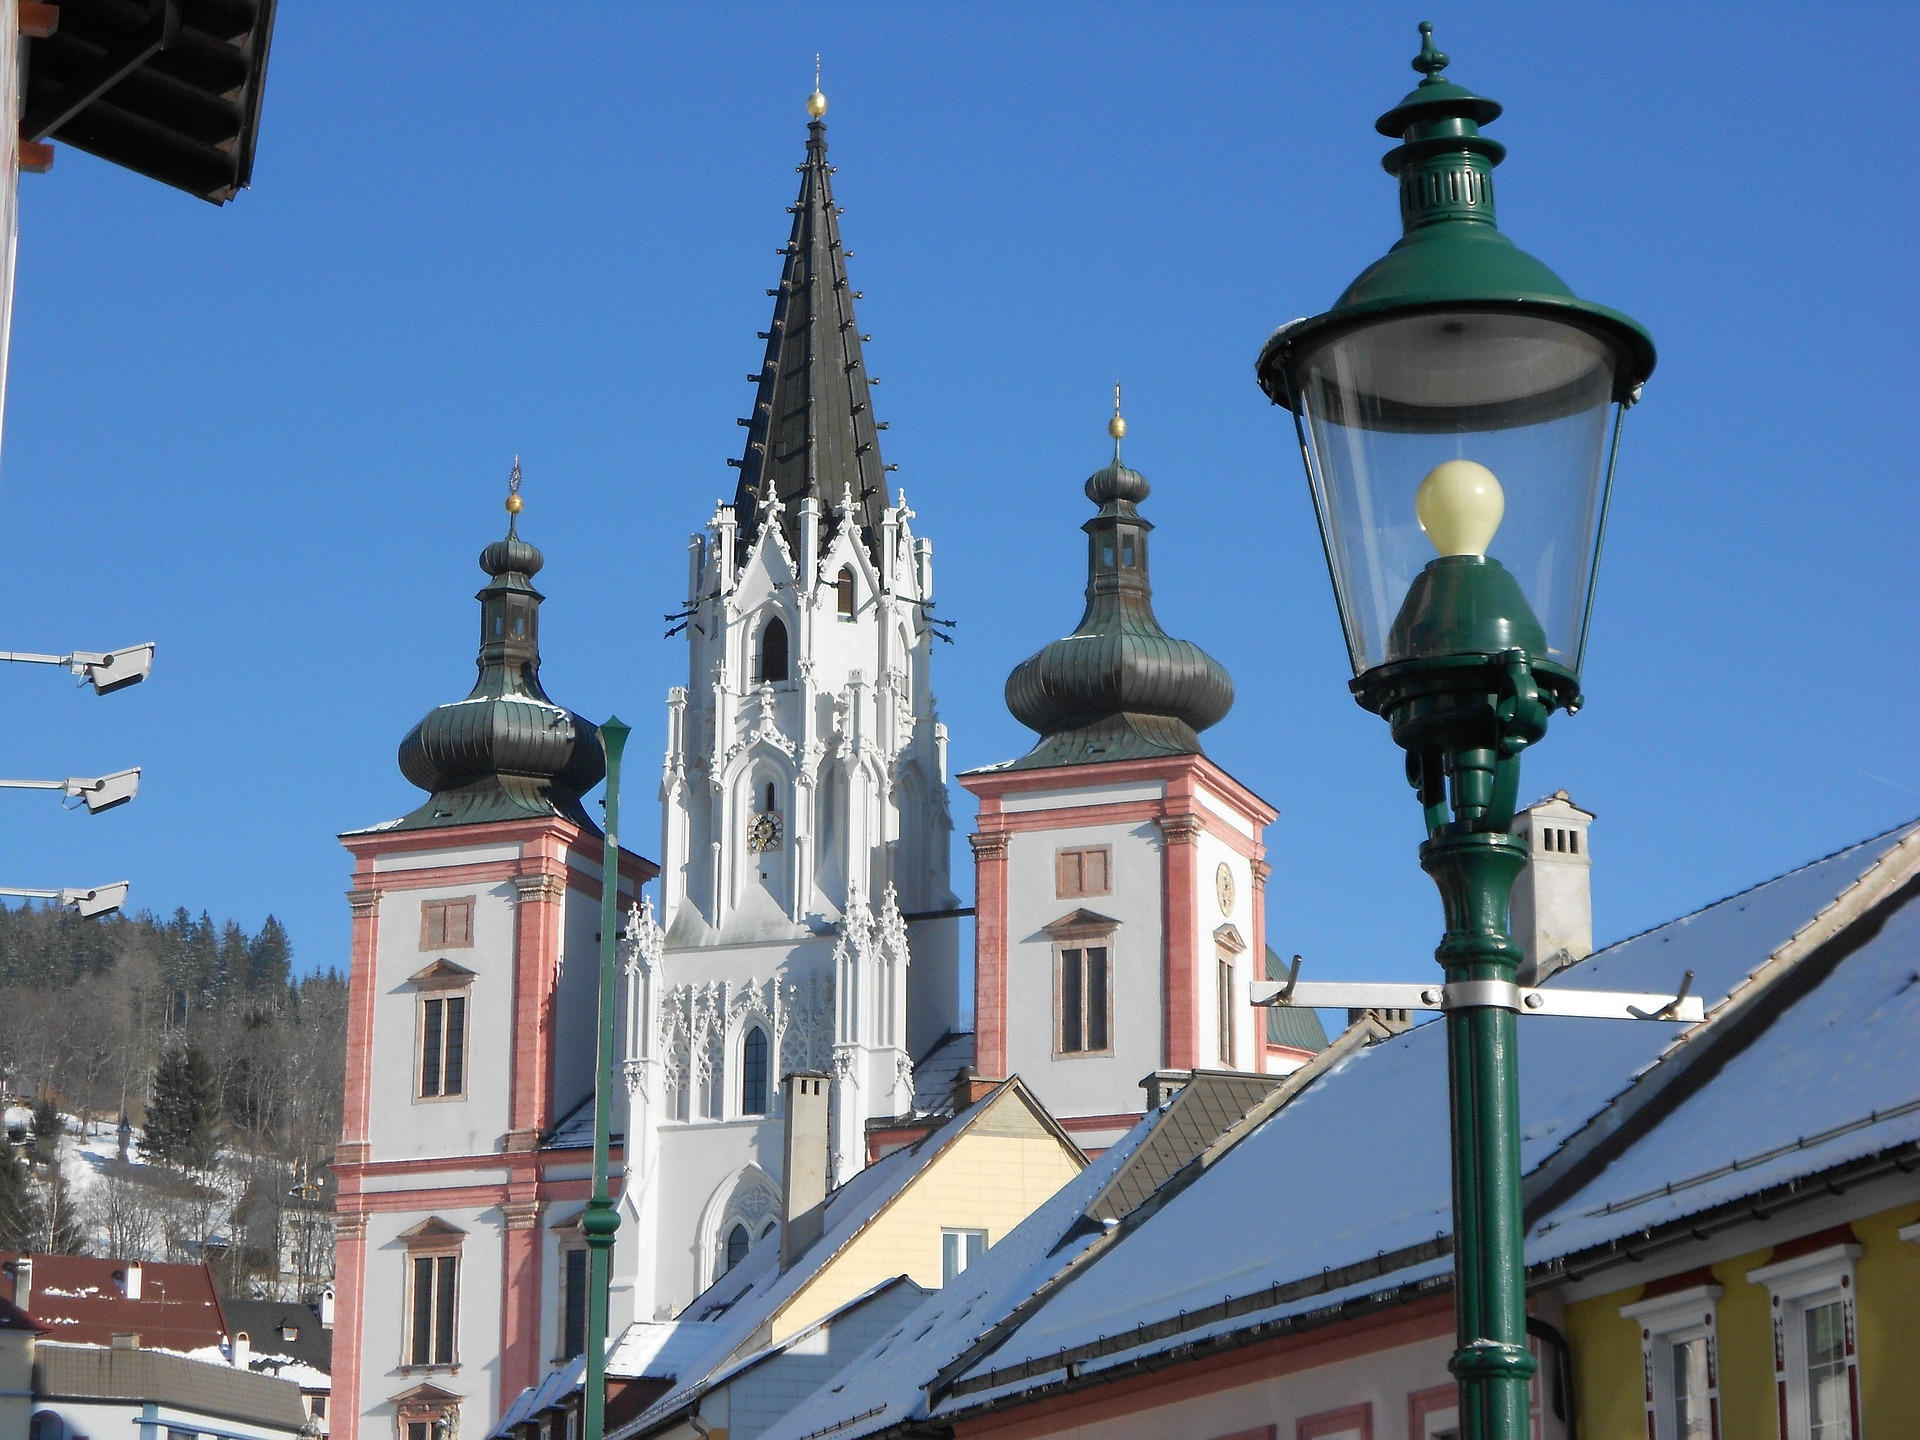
(935, 1073)
(887, 1384)
(725, 1319)
(1330, 1233)
(535, 1398)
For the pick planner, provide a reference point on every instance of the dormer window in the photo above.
(843, 592)
(772, 664)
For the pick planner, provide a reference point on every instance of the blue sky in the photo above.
(274, 437)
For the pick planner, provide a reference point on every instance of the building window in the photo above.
(753, 1072)
(1815, 1340)
(573, 1301)
(959, 1249)
(435, 1284)
(738, 1243)
(446, 924)
(1081, 998)
(1680, 1362)
(773, 652)
(443, 1046)
(843, 596)
(1082, 872)
(1229, 1051)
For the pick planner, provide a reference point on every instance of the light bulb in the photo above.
(1460, 504)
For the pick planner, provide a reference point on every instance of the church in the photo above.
(804, 919)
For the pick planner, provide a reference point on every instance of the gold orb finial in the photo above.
(514, 503)
(816, 102)
(1117, 426)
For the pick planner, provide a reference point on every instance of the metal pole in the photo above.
(602, 1220)
(1475, 872)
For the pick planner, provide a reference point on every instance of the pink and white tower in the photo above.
(1120, 874)
(466, 1148)
(806, 918)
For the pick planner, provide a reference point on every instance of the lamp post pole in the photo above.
(1454, 356)
(601, 1219)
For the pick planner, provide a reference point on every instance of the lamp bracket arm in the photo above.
(1481, 994)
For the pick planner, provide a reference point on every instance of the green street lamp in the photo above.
(601, 1222)
(1458, 411)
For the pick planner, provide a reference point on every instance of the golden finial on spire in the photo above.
(1117, 426)
(816, 102)
(514, 502)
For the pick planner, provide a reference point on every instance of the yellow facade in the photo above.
(990, 1178)
(1606, 1345)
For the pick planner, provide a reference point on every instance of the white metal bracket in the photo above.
(1474, 994)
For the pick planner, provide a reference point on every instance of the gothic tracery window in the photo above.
(773, 652)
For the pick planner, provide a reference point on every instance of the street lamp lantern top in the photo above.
(1458, 346)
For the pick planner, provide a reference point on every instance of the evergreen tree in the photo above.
(180, 1119)
(269, 959)
(20, 1221)
(48, 1127)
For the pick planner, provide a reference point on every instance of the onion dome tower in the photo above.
(1119, 687)
(506, 752)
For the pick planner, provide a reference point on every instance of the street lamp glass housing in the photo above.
(1385, 404)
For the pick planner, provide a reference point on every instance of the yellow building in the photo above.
(1748, 1266)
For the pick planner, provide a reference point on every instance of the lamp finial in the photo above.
(514, 502)
(816, 102)
(1430, 61)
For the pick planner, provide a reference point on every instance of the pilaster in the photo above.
(536, 950)
(1180, 964)
(990, 953)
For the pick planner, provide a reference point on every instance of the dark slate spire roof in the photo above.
(812, 430)
(1119, 687)
(506, 752)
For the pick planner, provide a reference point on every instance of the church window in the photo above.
(753, 1073)
(573, 1302)
(771, 1226)
(1082, 872)
(843, 592)
(446, 924)
(773, 652)
(738, 1243)
(1126, 552)
(443, 1046)
(433, 1287)
(1228, 1049)
(1106, 552)
(958, 1250)
(768, 794)
(1081, 999)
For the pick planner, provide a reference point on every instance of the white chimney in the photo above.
(1553, 898)
(326, 1307)
(806, 1163)
(133, 1279)
(23, 1282)
(242, 1349)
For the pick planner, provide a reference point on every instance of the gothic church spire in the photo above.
(812, 431)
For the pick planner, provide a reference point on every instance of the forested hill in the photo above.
(88, 1008)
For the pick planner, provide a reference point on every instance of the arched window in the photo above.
(773, 651)
(767, 796)
(843, 590)
(769, 1228)
(738, 1243)
(753, 1073)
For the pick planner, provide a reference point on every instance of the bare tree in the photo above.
(125, 1215)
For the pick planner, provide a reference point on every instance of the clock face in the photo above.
(1223, 888)
(764, 832)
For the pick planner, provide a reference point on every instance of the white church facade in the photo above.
(804, 921)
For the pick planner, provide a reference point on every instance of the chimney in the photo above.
(1162, 1085)
(133, 1279)
(1552, 915)
(326, 1307)
(23, 1282)
(968, 1088)
(806, 1163)
(124, 1342)
(242, 1349)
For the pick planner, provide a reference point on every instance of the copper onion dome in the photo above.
(1119, 687)
(506, 752)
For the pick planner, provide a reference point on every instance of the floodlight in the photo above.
(101, 794)
(106, 672)
(100, 900)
